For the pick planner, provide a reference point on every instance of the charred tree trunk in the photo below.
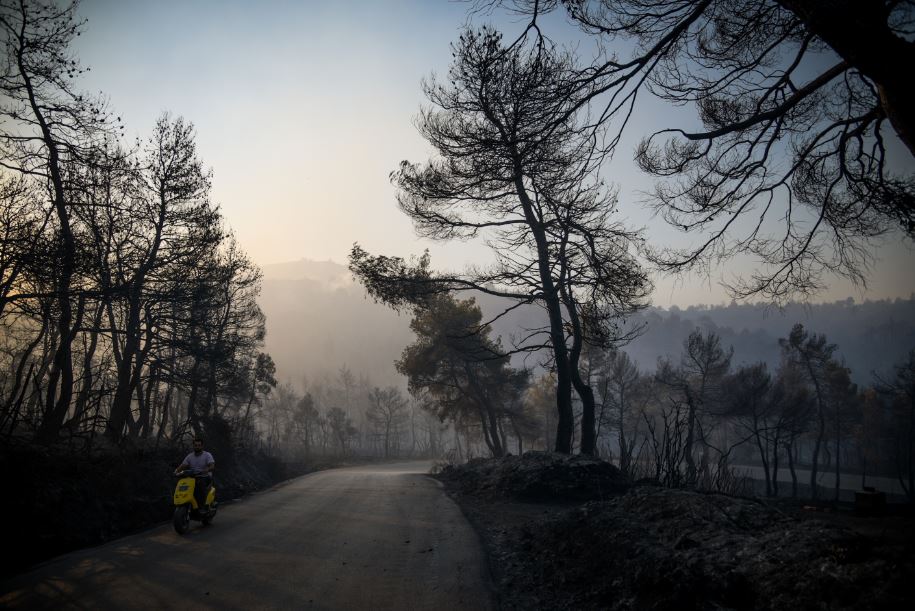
(82, 399)
(123, 394)
(860, 34)
(566, 424)
(775, 466)
(584, 390)
(763, 448)
(821, 432)
(62, 371)
(691, 472)
(789, 451)
(192, 413)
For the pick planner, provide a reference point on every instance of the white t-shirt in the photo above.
(199, 463)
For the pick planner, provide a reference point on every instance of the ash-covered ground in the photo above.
(571, 533)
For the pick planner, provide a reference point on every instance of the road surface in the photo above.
(373, 537)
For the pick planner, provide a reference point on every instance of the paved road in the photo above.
(375, 537)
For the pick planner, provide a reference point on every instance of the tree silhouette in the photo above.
(794, 163)
(516, 167)
(457, 365)
(748, 392)
(697, 382)
(812, 355)
(387, 410)
(624, 393)
(901, 391)
(46, 129)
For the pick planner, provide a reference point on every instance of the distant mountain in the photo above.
(319, 318)
(871, 336)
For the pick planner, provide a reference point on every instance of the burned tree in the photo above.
(387, 410)
(47, 129)
(516, 167)
(625, 393)
(696, 384)
(799, 100)
(751, 401)
(466, 375)
(811, 356)
(173, 193)
(900, 389)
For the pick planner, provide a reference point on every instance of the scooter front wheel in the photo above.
(182, 519)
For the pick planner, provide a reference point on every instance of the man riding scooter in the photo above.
(202, 464)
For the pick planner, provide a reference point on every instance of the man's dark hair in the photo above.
(198, 438)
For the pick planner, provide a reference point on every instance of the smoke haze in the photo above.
(319, 318)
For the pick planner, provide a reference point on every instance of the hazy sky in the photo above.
(302, 109)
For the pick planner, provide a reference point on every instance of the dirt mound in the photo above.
(650, 548)
(677, 549)
(655, 548)
(537, 476)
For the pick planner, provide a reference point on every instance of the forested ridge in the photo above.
(871, 335)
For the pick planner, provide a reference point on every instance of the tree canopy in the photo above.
(805, 153)
(515, 167)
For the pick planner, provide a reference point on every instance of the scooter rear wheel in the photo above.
(182, 519)
(209, 517)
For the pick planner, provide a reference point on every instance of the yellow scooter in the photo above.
(186, 506)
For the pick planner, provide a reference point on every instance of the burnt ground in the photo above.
(570, 533)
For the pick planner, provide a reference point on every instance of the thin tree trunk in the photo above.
(123, 394)
(82, 398)
(790, 452)
(763, 451)
(690, 437)
(565, 427)
(821, 431)
(20, 380)
(838, 458)
(775, 466)
(584, 390)
(62, 371)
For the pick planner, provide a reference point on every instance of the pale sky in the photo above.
(302, 109)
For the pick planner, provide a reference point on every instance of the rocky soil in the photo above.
(570, 533)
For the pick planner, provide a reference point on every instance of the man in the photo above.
(202, 464)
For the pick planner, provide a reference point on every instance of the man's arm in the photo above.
(211, 465)
(181, 468)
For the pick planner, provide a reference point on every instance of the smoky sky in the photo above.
(302, 109)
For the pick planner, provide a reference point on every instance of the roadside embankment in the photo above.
(588, 540)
